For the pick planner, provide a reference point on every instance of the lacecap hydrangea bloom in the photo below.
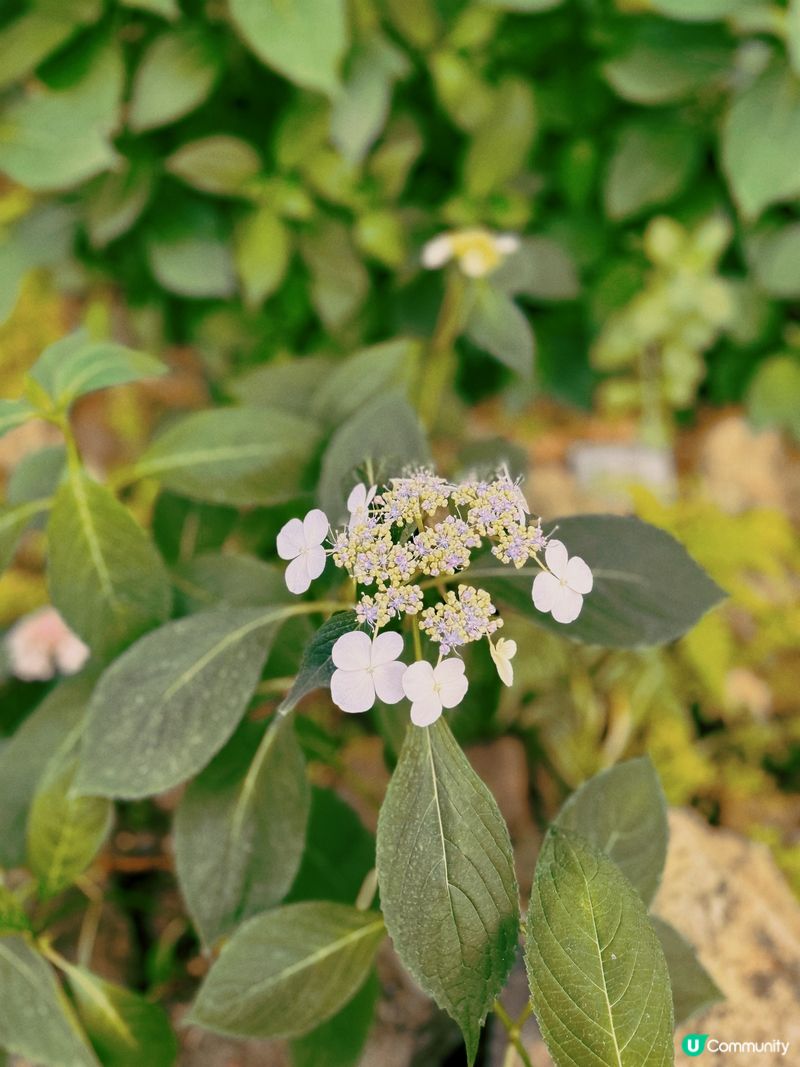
(402, 546)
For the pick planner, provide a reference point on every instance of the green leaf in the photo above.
(192, 262)
(775, 260)
(225, 578)
(761, 141)
(652, 163)
(14, 521)
(238, 456)
(364, 438)
(55, 140)
(29, 39)
(77, 365)
(773, 396)
(286, 971)
(262, 249)
(339, 852)
(288, 386)
(316, 667)
(446, 870)
(362, 376)
(49, 730)
(125, 1029)
(598, 977)
(104, 574)
(175, 75)
(12, 915)
(699, 10)
(14, 413)
(623, 812)
(41, 238)
(35, 1018)
(647, 588)
(793, 34)
(501, 144)
(219, 164)
(37, 476)
(169, 703)
(524, 5)
(167, 9)
(240, 828)
(65, 831)
(118, 201)
(496, 325)
(339, 280)
(693, 989)
(340, 1041)
(360, 110)
(304, 40)
(541, 269)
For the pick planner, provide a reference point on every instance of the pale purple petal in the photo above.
(426, 712)
(452, 682)
(418, 681)
(545, 590)
(556, 556)
(386, 647)
(579, 575)
(358, 498)
(567, 605)
(352, 691)
(315, 561)
(315, 527)
(291, 539)
(449, 670)
(351, 651)
(297, 577)
(388, 679)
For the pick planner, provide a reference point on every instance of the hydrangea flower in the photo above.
(301, 542)
(42, 644)
(358, 504)
(476, 251)
(502, 652)
(561, 591)
(365, 668)
(430, 689)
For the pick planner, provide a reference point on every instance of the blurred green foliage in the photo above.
(260, 179)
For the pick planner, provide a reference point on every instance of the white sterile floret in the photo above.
(561, 591)
(42, 644)
(366, 667)
(476, 251)
(502, 652)
(437, 251)
(430, 689)
(358, 503)
(301, 542)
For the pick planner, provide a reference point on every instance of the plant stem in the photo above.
(512, 1028)
(438, 364)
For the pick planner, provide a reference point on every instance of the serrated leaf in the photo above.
(446, 872)
(238, 456)
(77, 365)
(598, 977)
(339, 852)
(169, 704)
(496, 325)
(304, 40)
(289, 970)
(35, 1018)
(240, 829)
(125, 1029)
(14, 413)
(14, 521)
(647, 588)
(104, 574)
(175, 75)
(693, 988)
(364, 375)
(219, 164)
(316, 666)
(623, 812)
(50, 729)
(65, 830)
(340, 1041)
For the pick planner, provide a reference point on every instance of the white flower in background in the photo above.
(430, 689)
(366, 668)
(502, 652)
(476, 251)
(358, 503)
(301, 542)
(561, 591)
(42, 644)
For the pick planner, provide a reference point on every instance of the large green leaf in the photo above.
(175, 75)
(501, 143)
(65, 830)
(34, 1015)
(623, 812)
(125, 1029)
(240, 828)
(227, 578)
(287, 971)
(761, 141)
(446, 872)
(14, 413)
(169, 703)
(361, 377)
(340, 1041)
(316, 667)
(693, 989)
(37, 476)
(647, 588)
(360, 110)
(14, 521)
(29, 39)
(77, 365)
(499, 327)
(105, 576)
(598, 977)
(49, 730)
(237, 456)
(288, 385)
(652, 162)
(305, 40)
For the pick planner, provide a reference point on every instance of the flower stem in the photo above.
(438, 365)
(512, 1028)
